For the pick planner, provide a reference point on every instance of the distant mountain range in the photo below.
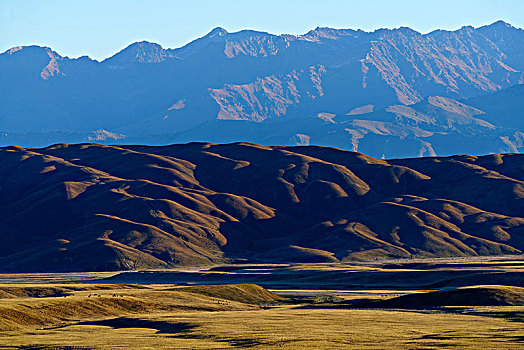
(96, 207)
(388, 93)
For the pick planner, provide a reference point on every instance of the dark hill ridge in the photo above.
(469, 296)
(95, 207)
(250, 76)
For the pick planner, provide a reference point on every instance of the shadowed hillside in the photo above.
(470, 296)
(95, 207)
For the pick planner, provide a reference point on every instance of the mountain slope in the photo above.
(95, 207)
(434, 126)
(146, 89)
(505, 108)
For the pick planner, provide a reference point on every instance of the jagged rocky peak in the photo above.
(217, 32)
(13, 50)
(406, 31)
(220, 34)
(140, 52)
(500, 24)
(32, 50)
(37, 59)
(500, 30)
(400, 32)
(328, 33)
(199, 45)
(85, 58)
(244, 42)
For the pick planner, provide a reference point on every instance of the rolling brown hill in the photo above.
(95, 207)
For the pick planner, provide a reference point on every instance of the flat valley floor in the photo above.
(327, 306)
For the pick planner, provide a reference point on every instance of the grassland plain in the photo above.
(277, 329)
(210, 317)
(158, 313)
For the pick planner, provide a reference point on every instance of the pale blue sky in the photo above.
(100, 28)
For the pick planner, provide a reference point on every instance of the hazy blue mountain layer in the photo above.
(391, 92)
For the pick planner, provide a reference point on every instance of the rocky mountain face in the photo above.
(146, 90)
(434, 126)
(95, 207)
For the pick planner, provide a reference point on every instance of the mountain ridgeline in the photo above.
(391, 92)
(96, 207)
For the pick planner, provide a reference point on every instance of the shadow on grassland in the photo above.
(177, 330)
(125, 322)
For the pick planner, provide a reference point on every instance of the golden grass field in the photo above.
(404, 304)
(278, 329)
(95, 316)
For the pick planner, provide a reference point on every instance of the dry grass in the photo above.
(165, 316)
(54, 290)
(99, 301)
(281, 328)
(217, 317)
(244, 293)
